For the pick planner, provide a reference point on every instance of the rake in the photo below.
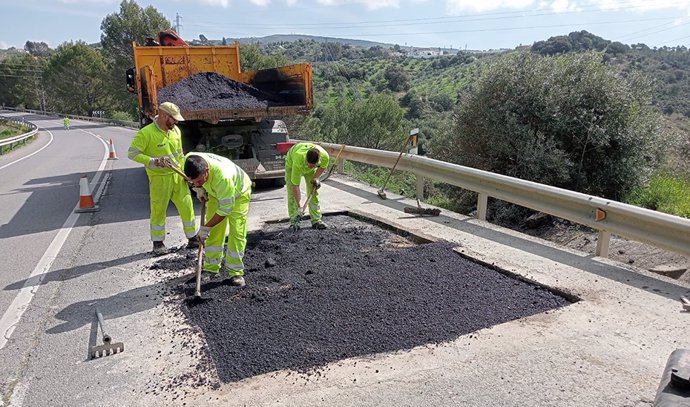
(108, 348)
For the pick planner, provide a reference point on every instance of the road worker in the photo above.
(306, 160)
(66, 122)
(227, 190)
(159, 146)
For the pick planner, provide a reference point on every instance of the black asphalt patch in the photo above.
(319, 296)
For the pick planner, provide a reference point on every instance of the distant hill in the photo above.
(296, 37)
(278, 38)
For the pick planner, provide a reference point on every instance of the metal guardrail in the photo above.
(22, 138)
(123, 123)
(606, 216)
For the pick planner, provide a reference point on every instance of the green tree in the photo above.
(398, 79)
(75, 79)
(21, 81)
(119, 30)
(373, 123)
(37, 49)
(131, 23)
(252, 58)
(569, 121)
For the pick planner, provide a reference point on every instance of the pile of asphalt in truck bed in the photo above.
(210, 90)
(319, 296)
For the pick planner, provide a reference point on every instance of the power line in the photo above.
(499, 15)
(517, 28)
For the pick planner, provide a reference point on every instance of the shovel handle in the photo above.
(200, 255)
(179, 172)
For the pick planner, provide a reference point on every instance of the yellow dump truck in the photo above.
(227, 112)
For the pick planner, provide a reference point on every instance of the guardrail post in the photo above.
(419, 186)
(603, 241)
(482, 204)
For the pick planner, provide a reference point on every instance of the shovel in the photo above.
(197, 299)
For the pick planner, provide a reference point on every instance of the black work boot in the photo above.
(193, 243)
(237, 281)
(159, 248)
(319, 225)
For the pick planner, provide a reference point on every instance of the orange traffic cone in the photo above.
(85, 198)
(111, 149)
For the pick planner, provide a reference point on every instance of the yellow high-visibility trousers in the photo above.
(234, 227)
(314, 205)
(162, 190)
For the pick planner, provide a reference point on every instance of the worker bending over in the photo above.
(306, 160)
(227, 188)
(159, 146)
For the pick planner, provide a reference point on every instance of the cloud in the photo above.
(222, 3)
(459, 6)
(4, 45)
(562, 6)
(456, 7)
(641, 5)
(369, 4)
(260, 3)
(86, 1)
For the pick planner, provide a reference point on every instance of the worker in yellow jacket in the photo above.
(158, 146)
(227, 190)
(306, 160)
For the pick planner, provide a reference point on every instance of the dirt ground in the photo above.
(636, 254)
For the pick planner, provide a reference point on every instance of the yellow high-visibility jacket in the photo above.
(296, 161)
(152, 142)
(226, 181)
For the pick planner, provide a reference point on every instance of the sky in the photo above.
(459, 24)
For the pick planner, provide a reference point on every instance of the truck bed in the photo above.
(213, 97)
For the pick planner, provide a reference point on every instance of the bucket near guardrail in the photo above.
(674, 389)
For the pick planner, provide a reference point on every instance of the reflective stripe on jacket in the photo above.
(296, 161)
(152, 142)
(226, 181)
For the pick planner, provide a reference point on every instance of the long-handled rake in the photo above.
(381, 192)
(108, 348)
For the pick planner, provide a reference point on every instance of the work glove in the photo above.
(316, 183)
(204, 231)
(159, 162)
(201, 194)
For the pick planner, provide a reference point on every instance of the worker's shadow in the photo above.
(74, 272)
(82, 313)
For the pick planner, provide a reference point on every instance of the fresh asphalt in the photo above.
(608, 348)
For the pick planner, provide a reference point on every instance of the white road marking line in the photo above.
(35, 152)
(21, 302)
